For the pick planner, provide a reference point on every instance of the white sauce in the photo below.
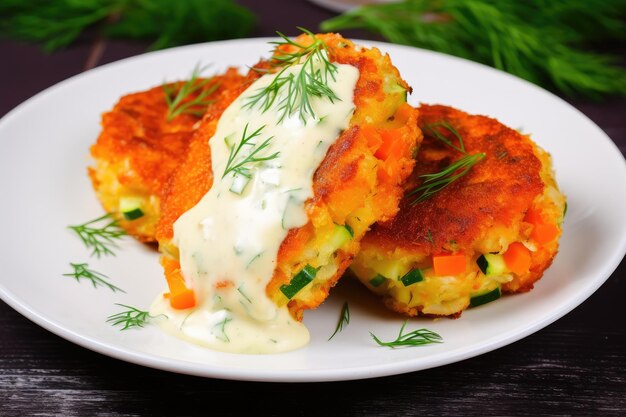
(234, 239)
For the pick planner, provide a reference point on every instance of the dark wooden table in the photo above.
(575, 366)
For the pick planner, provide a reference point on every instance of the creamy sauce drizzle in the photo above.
(229, 242)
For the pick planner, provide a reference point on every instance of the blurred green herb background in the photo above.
(542, 41)
(548, 42)
(57, 23)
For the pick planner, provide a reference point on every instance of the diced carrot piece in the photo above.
(517, 258)
(383, 150)
(403, 112)
(391, 152)
(533, 216)
(544, 232)
(180, 296)
(449, 264)
(392, 147)
(224, 284)
(184, 299)
(372, 136)
(176, 283)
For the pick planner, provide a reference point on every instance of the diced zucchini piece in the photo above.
(397, 88)
(485, 297)
(491, 264)
(133, 214)
(411, 277)
(341, 235)
(239, 184)
(230, 141)
(482, 263)
(130, 207)
(299, 281)
(377, 280)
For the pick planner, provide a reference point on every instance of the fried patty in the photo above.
(503, 218)
(357, 184)
(140, 147)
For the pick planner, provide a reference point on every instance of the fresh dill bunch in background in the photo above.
(542, 41)
(55, 24)
(547, 42)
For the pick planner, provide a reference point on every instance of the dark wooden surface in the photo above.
(576, 366)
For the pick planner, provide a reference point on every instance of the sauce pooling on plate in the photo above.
(263, 161)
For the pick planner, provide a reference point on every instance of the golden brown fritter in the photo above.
(357, 183)
(502, 202)
(139, 148)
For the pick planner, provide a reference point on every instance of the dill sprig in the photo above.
(344, 319)
(239, 162)
(221, 328)
(100, 239)
(55, 24)
(433, 183)
(190, 97)
(294, 90)
(82, 271)
(414, 338)
(429, 237)
(433, 130)
(540, 41)
(131, 317)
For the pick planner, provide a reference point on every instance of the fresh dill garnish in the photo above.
(429, 237)
(100, 239)
(240, 162)
(257, 256)
(344, 319)
(414, 338)
(221, 327)
(433, 129)
(182, 324)
(82, 271)
(243, 294)
(55, 24)
(433, 183)
(544, 42)
(296, 89)
(190, 97)
(131, 317)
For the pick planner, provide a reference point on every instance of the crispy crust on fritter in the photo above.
(483, 212)
(138, 149)
(351, 186)
(497, 190)
(552, 204)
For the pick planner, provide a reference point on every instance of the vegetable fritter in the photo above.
(141, 145)
(495, 229)
(357, 183)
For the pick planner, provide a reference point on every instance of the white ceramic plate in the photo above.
(44, 154)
